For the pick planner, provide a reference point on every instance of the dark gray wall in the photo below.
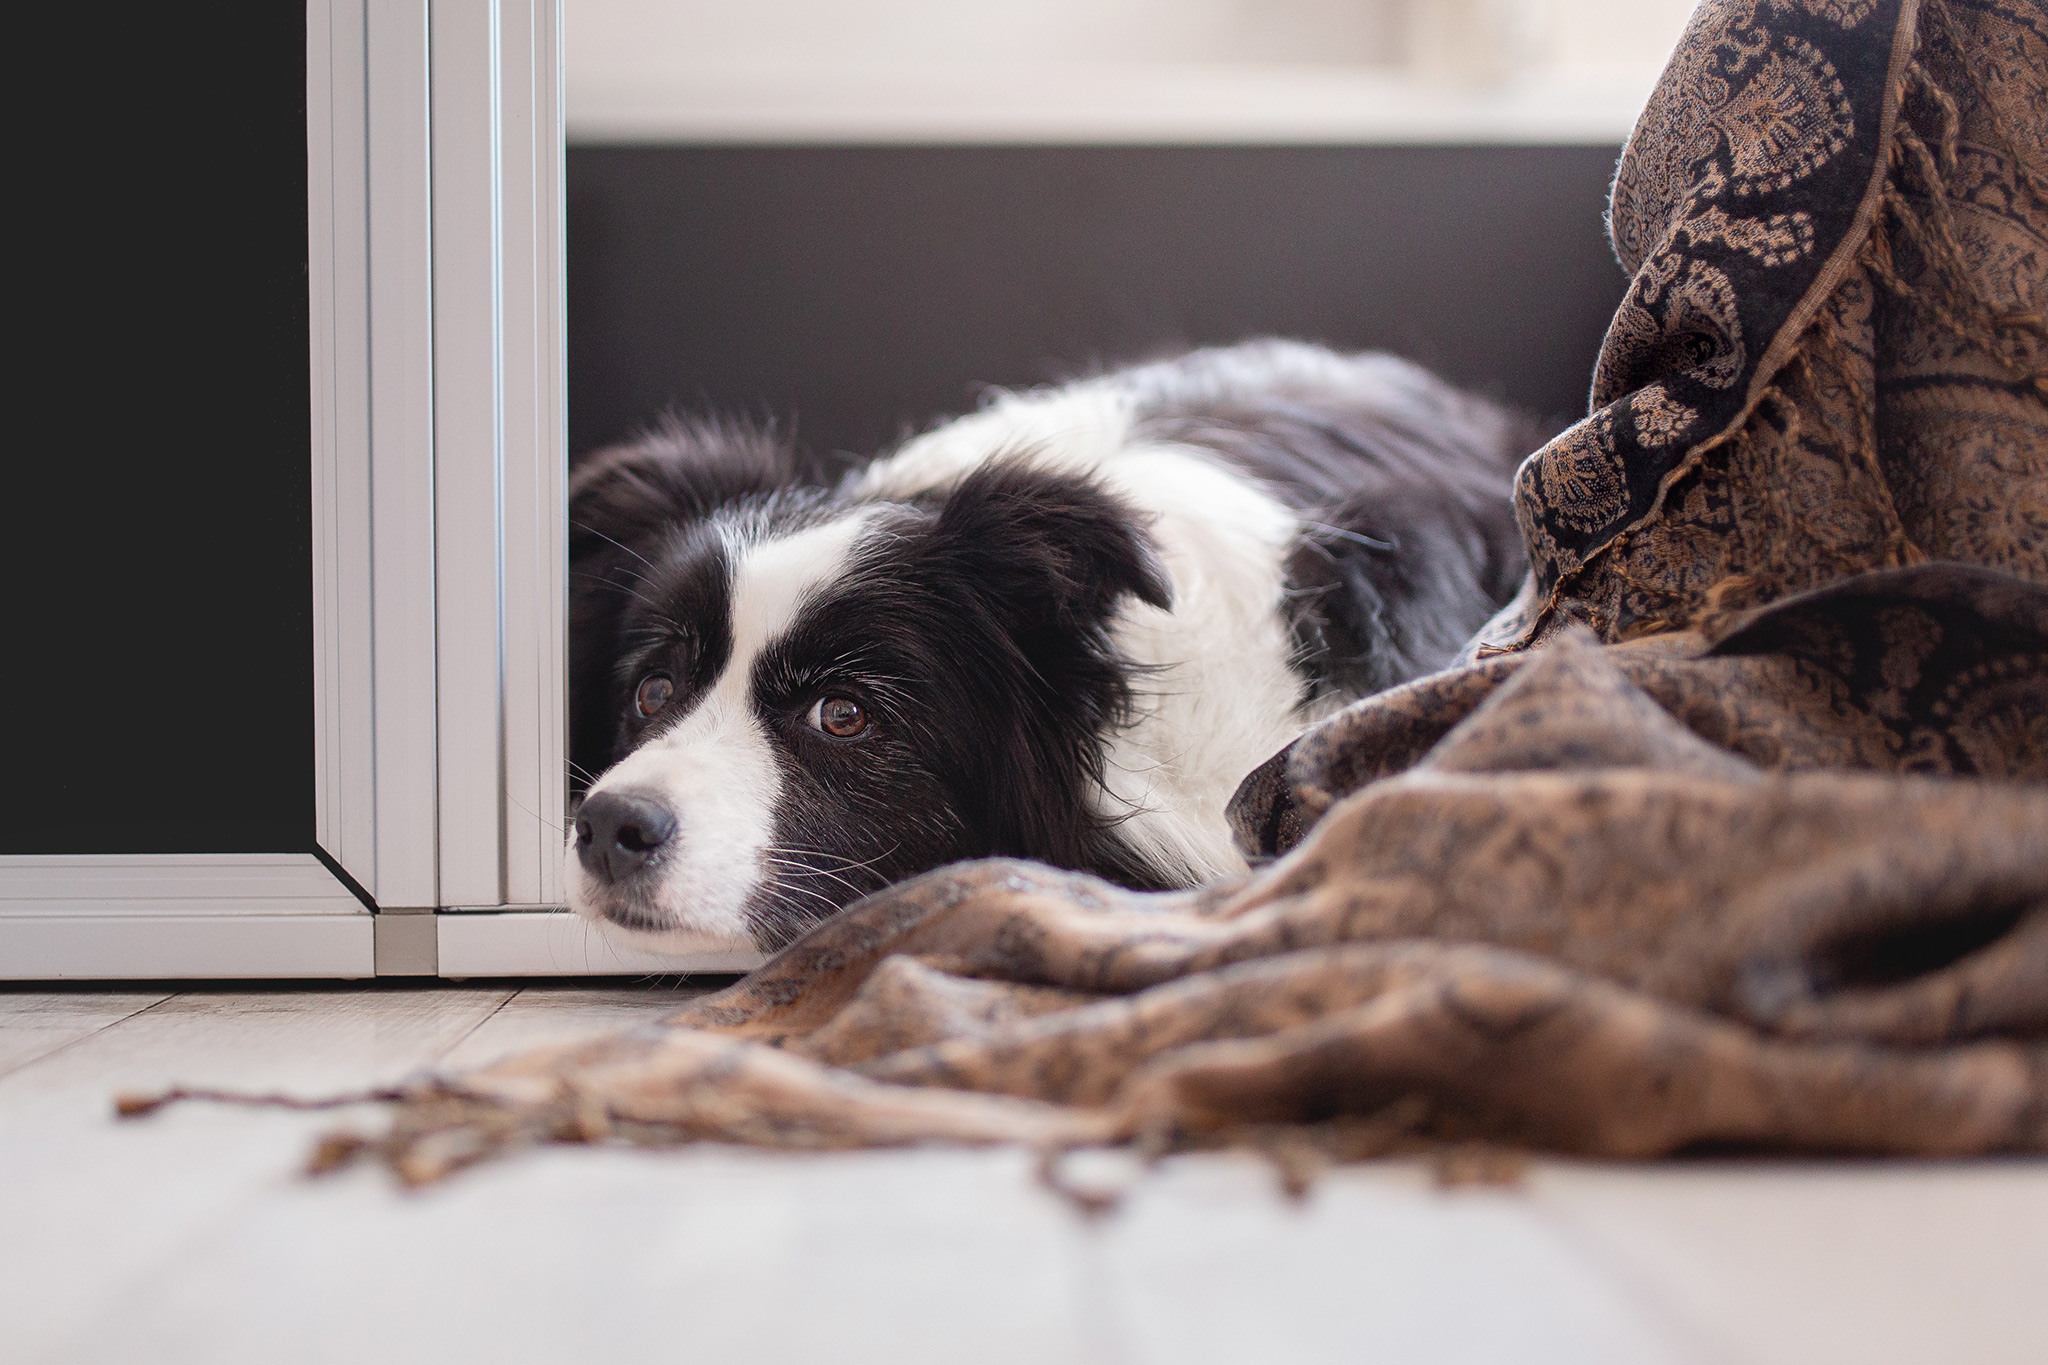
(156, 625)
(863, 290)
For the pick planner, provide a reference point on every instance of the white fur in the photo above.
(1221, 698)
(715, 766)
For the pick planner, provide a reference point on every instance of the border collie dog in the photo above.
(1063, 628)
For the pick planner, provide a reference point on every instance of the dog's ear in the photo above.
(1038, 563)
(1053, 550)
(678, 473)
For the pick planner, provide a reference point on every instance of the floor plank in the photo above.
(1208, 1262)
(103, 1208)
(1782, 1263)
(546, 1013)
(701, 1254)
(36, 1023)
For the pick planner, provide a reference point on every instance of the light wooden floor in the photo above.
(191, 1237)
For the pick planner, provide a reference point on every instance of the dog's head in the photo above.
(790, 697)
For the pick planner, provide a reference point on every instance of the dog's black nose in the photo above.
(617, 832)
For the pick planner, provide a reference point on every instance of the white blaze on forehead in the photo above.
(774, 579)
(716, 767)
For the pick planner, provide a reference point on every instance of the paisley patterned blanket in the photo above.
(1733, 831)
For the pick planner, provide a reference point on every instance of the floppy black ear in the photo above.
(1038, 563)
(1049, 550)
(679, 472)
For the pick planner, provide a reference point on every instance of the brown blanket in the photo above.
(1734, 831)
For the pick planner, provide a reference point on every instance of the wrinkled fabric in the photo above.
(1831, 358)
(1732, 832)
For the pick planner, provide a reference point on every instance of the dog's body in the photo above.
(1062, 628)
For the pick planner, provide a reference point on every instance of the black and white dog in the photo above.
(1062, 628)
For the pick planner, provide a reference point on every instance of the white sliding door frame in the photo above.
(439, 466)
(500, 449)
(370, 237)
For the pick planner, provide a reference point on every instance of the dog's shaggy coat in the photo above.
(1063, 628)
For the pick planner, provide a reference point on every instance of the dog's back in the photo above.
(1332, 525)
(1401, 485)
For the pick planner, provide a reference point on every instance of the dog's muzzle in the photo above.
(619, 833)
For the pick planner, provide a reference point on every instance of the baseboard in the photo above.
(102, 947)
(134, 916)
(477, 943)
(282, 915)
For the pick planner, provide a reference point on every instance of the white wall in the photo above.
(1108, 70)
(639, 35)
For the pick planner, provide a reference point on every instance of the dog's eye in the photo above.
(840, 717)
(653, 693)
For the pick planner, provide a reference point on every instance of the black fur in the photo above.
(1403, 485)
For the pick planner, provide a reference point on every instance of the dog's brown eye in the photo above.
(653, 693)
(840, 717)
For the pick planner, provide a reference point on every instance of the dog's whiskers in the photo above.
(830, 903)
(788, 870)
(846, 864)
(559, 830)
(794, 862)
(634, 593)
(586, 526)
